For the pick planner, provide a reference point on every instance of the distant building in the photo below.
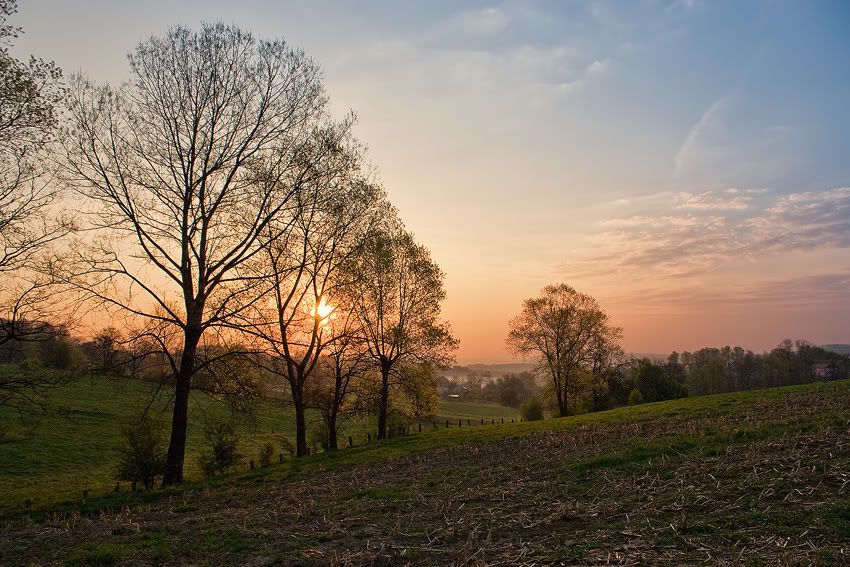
(826, 372)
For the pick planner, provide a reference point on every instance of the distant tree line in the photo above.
(581, 367)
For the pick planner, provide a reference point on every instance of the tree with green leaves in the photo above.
(567, 334)
(397, 291)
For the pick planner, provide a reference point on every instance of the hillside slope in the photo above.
(756, 477)
(48, 458)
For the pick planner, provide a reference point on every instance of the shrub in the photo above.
(532, 409)
(318, 435)
(635, 397)
(142, 454)
(222, 452)
(287, 446)
(266, 454)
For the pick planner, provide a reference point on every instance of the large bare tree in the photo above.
(566, 332)
(185, 169)
(397, 293)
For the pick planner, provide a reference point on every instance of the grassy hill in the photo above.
(54, 457)
(757, 477)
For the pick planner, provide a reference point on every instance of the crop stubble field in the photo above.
(753, 478)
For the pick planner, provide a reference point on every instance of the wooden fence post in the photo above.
(368, 437)
(350, 442)
(459, 423)
(447, 424)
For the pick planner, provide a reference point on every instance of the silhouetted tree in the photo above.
(185, 167)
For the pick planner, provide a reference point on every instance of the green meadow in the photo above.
(51, 456)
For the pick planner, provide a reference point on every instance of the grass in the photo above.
(53, 457)
(752, 477)
(474, 411)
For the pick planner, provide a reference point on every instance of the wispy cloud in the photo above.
(693, 143)
(695, 233)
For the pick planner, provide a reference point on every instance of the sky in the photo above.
(685, 162)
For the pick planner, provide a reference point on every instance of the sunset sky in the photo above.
(685, 162)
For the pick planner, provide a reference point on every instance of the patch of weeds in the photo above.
(228, 542)
(569, 554)
(155, 542)
(95, 555)
(837, 519)
(827, 558)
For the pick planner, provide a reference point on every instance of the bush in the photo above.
(142, 455)
(222, 452)
(266, 454)
(318, 435)
(287, 446)
(635, 397)
(532, 409)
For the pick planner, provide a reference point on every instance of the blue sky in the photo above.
(683, 161)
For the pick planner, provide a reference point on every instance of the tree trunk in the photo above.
(300, 419)
(180, 418)
(562, 403)
(385, 395)
(332, 433)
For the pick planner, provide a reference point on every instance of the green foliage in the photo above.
(142, 453)
(222, 451)
(635, 397)
(318, 435)
(287, 446)
(514, 389)
(100, 555)
(654, 383)
(60, 353)
(532, 409)
(266, 455)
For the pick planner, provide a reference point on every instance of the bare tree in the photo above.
(30, 93)
(334, 214)
(398, 290)
(567, 333)
(185, 168)
(337, 390)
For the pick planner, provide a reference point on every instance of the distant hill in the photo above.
(493, 369)
(840, 349)
(510, 368)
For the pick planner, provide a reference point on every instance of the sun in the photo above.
(323, 311)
